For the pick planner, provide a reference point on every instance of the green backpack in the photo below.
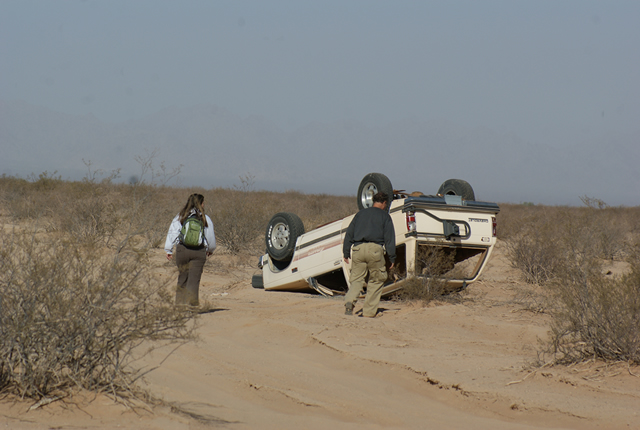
(192, 233)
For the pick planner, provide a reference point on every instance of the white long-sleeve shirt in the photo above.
(174, 232)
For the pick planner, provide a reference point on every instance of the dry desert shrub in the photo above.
(540, 238)
(88, 212)
(100, 210)
(563, 249)
(24, 199)
(71, 315)
(512, 218)
(95, 209)
(534, 248)
(319, 209)
(596, 315)
(77, 292)
(532, 298)
(240, 215)
(536, 258)
(435, 264)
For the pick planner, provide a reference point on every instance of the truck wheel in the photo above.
(282, 232)
(457, 187)
(371, 184)
(256, 281)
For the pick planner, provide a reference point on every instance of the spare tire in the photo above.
(457, 187)
(282, 232)
(371, 184)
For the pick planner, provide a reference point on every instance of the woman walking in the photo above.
(191, 231)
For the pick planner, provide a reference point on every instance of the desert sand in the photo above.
(278, 360)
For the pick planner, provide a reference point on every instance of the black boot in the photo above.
(348, 309)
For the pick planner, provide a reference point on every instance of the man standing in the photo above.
(369, 234)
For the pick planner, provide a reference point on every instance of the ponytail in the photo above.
(194, 202)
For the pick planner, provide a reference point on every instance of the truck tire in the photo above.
(256, 281)
(457, 187)
(282, 232)
(371, 184)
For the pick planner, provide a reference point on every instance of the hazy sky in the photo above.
(550, 72)
(545, 70)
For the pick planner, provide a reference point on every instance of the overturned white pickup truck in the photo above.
(451, 221)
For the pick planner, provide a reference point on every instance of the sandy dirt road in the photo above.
(274, 360)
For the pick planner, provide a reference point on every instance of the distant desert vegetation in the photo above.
(78, 297)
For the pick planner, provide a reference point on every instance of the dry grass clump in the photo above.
(595, 314)
(436, 264)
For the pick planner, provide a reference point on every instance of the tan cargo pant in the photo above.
(367, 258)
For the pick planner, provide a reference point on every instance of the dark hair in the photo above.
(193, 202)
(380, 197)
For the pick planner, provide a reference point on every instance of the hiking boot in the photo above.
(348, 309)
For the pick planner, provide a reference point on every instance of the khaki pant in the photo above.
(367, 258)
(190, 265)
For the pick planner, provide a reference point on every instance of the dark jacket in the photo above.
(371, 225)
